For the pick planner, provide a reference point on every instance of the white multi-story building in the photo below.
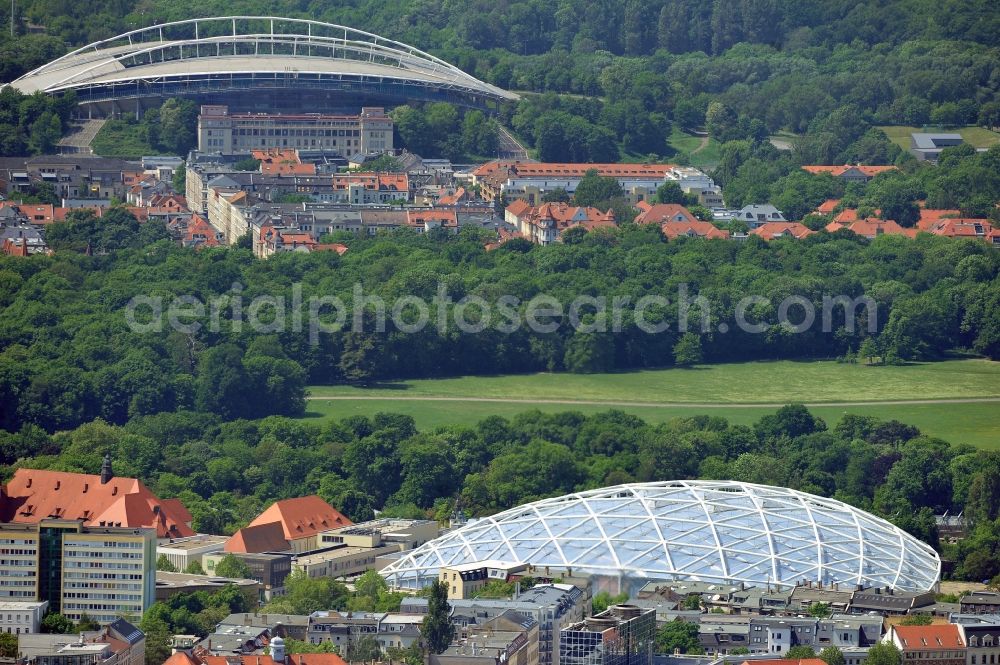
(21, 618)
(182, 552)
(103, 572)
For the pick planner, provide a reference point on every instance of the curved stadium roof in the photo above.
(712, 531)
(251, 53)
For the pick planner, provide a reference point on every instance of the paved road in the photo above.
(509, 147)
(663, 405)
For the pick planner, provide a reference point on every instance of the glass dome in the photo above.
(703, 530)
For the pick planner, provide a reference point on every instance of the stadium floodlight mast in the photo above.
(711, 531)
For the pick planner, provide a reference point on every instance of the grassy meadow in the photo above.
(741, 393)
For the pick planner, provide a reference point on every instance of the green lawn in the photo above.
(119, 138)
(741, 383)
(723, 390)
(977, 137)
(706, 158)
(973, 424)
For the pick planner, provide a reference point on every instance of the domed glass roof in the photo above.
(706, 530)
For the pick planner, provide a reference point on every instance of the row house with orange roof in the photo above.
(850, 172)
(930, 216)
(70, 176)
(676, 221)
(936, 644)
(514, 180)
(193, 230)
(544, 224)
(277, 161)
(777, 230)
(276, 239)
(871, 227)
(978, 229)
(663, 212)
(429, 219)
(370, 188)
(696, 229)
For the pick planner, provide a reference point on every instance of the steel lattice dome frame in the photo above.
(254, 53)
(703, 530)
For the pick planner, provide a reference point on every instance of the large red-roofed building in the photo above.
(33, 495)
(301, 520)
(937, 644)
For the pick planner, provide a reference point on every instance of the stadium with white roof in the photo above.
(703, 530)
(257, 60)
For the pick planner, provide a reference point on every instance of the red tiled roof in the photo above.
(785, 661)
(826, 207)
(181, 658)
(420, 217)
(930, 216)
(935, 637)
(331, 247)
(168, 202)
(178, 510)
(665, 212)
(394, 182)
(529, 169)
(302, 517)
(869, 171)
(276, 161)
(772, 230)
(870, 227)
(519, 207)
(592, 224)
(141, 214)
(965, 228)
(848, 215)
(60, 214)
(696, 228)
(38, 213)
(316, 659)
(259, 538)
(35, 494)
(200, 230)
(452, 199)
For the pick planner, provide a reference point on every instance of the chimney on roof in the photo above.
(106, 473)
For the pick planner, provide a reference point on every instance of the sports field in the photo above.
(956, 400)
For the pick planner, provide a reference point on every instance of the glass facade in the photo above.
(623, 635)
(712, 531)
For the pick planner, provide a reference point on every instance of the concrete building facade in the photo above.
(228, 133)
